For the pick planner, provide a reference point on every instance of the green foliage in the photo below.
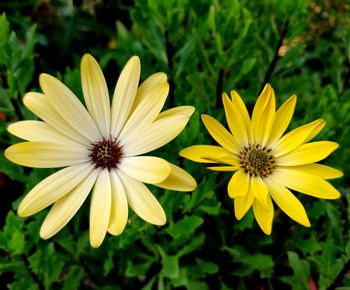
(205, 47)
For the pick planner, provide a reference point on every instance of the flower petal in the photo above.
(69, 107)
(307, 153)
(95, 93)
(220, 134)
(124, 94)
(100, 208)
(39, 131)
(147, 111)
(198, 152)
(119, 209)
(181, 110)
(287, 201)
(243, 204)
(154, 136)
(142, 201)
(148, 86)
(320, 170)
(242, 109)
(259, 190)
(66, 207)
(235, 121)
(178, 180)
(223, 168)
(46, 154)
(145, 168)
(306, 183)
(40, 106)
(295, 138)
(263, 116)
(264, 216)
(53, 188)
(282, 119)
(239, 184)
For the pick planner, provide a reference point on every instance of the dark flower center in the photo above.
(106, 153)
(257, 160)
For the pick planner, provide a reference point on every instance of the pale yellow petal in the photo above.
(119, 209)
(46, 154)
(178, 180)
(142, 201)
(148, 86)
(69, 107)
(53, 188)
(181, 110)
(146, 112)
(40, 106)
(198, 152)
(239, 184)
(40, 131)
(295, 138)
(100, 208)
(263, 116)
(259, 190)
(220, 134)
(96, 93)
(306, 183)
(263, 215)
(287, 201)
(224, 168)
(243, 204)
(307, 153)
(282, 119)
(155, 135)
(320, 170)
(147, 169)
(66, 207)
(124, 94)
(235, 121)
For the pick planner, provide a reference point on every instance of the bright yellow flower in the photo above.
(265, 163)
(99, 148)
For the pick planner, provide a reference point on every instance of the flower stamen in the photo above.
(106, 154)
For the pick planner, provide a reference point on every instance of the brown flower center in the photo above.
(256, 160)
(106, 153)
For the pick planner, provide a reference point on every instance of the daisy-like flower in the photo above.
(99, 148)
(267, 165)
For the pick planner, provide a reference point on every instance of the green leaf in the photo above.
(73, 278)
(186, 226)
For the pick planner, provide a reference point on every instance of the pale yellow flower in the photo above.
(100, 149)
(267, 165)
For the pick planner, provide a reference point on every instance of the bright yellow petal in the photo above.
(320, 170)
(243, 204)
(53, 188)
(282, 119)
(119, 209)
(220, 134)
(259, 190)
(147, 111)
(100, 208)
(264, 216)
(66, 207)
(148, 86)
(295, 138)
(239, 104)
(145, 168)
(181, 110)
(69, 107)
(307, 153)
(224, 168)
(178, 180)
(142, 201)
(46, 155)
(287, 201)
(95, 93)
(124, 94)
(315, 131)
(40, 106)
(198, 152)
(154, 136)
(263, 116)
(306, 183)
(239, 184)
